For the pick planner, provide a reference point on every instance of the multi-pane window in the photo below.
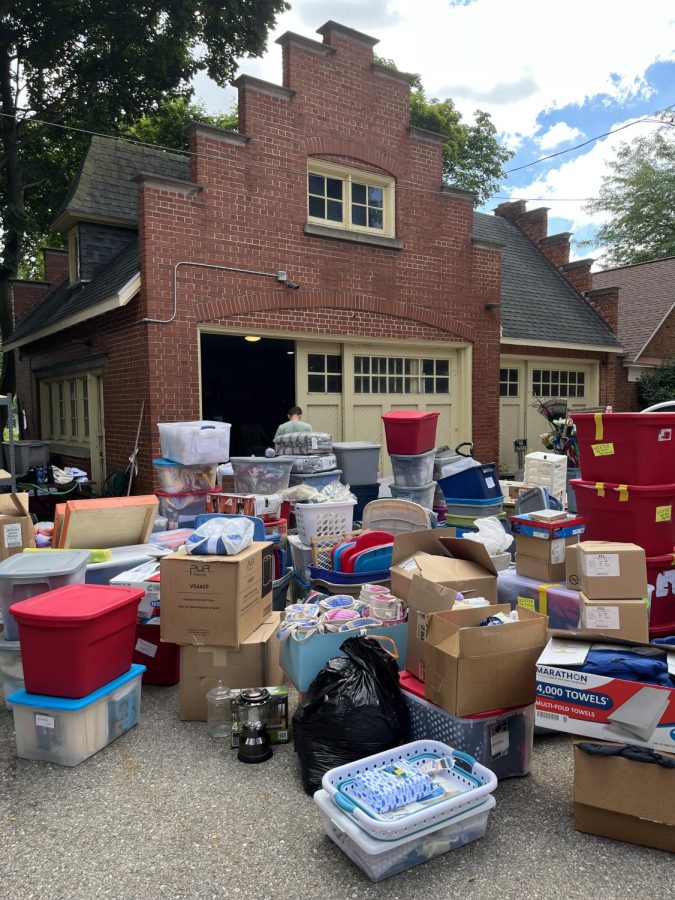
(324, 373)
(508, 382)
(558, 383)
(400, 375)
(344, 198)
(65, 409)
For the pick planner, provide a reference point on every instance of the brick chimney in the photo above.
(606, 302)
(578, 273)
(556, 247)
(56, 263)
(27, 294)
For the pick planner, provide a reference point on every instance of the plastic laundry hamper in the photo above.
(316, 519)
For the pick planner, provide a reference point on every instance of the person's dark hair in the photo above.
(295, 411)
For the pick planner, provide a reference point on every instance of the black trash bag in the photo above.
(352, 709)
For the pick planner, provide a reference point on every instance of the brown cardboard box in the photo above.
(572, 577)
(540, 559)
(627, 619)
(625, 800)
(16, 526)
(216, 601)
(612, 571)
(426, 597)
(438, 556)
(256, 662)
(472, 669)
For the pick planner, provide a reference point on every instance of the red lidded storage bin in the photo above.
(77, 638)
(161, 660)
(626, 448)
(409, 432)
(661, 574)
(628, 513)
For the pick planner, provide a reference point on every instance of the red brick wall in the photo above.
(26, 295)
(56, 264)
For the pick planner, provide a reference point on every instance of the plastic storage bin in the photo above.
(175, 478)
(160, 659)
(365, 494)
(626, 448)
(501, 740)
(315, 519)
(382, 859)
(422, 495)
(410, 432)
(359, 461)
(316, 480)
(556, 601)
(195, 443)
(123, 559)
(181, 510)
(259, 475)
(27, 454)
(458, 506)
(67, 732)
(476, 483)
(11, 669)
(413, 471)
(632, 514)
(280, 591)
(25, 575)
(661, 574)
(76, 638)
(547, 470)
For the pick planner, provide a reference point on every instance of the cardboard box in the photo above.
(473, 669)
(612, 571)
(144, 578)
(627, 619)
(278, 723)
(572, 576)
(256, 662)
(216, 601)
(624, 799)
(438, 556)
(426, 598)
(540, 559)
(16, 526)
(600, 706)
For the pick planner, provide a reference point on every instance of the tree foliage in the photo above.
(165, 126)
(657, 385)
(638, 197)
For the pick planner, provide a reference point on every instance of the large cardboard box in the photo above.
(426, 597)
(612, 571)
(540, 559)
(438, 556)
(602, 707)
(16, 526)
(627, 619)
(473, 669)
(256, 662)
(625, 799)
(216, 601)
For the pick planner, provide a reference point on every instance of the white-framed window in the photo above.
(547, 383)
(351, 199)
(324, 373)
(508, 382)
(65, 404)
(401, 375)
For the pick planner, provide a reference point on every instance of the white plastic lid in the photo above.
(48, 563)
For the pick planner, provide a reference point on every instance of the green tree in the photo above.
(657, 385)
(638, 197)
(165, 126)
(472, 156)
(100, 67)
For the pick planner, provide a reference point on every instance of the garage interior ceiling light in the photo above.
(252, 338)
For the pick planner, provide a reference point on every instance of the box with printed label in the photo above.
(427, 597)
(542, 559)
(472, 668)
(553, 600)
(216, 601)
(612, 571)
(580, 690)
(16, 526)
(625, 798)
(278, 721)
(627, 619)
(440, 557)
(255, 662)
(147, 579)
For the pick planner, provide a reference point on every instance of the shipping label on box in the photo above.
(627, 619)
(17, 532)
(278, 720)
(612, 571)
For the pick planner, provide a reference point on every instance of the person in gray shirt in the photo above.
(294, 423)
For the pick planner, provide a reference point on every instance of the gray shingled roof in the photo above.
(104, 185)
(65, 301)
(538, 303)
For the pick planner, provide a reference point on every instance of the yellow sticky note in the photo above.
(603, 449)
(664, 513)
(526, 603)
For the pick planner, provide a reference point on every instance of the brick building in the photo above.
(314, 256)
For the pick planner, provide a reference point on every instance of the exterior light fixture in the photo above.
(252, 338)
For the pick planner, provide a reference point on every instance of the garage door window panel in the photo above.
(558, 383)
(324, 373)
(401, 375)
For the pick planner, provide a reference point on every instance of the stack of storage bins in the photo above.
(191, 452)
(627, 494)
(411, 441)
(81, 689)
(360, 463)
(472, 491)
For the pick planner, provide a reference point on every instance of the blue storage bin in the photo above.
(365, 494)
(303, 660)
(347, 578)
(461, 506)
(477, 483)
(317, 480)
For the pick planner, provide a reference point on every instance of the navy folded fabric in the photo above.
(646, 666)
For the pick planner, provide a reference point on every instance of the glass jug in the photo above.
(218, 715)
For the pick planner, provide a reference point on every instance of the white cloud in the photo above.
(560, 133)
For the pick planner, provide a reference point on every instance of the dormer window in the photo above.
(349, 198)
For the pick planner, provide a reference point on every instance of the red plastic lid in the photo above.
(409, 415)
(667, 490)
(162, 493)
(74, 603)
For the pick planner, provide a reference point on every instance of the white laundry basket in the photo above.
(316, 519)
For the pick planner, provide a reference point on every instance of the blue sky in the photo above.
(550, 74)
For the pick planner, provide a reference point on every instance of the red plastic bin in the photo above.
(627, 448)
(77, 638)
(661, 574)
(161, 660)
(409, 432)
(636, 514)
